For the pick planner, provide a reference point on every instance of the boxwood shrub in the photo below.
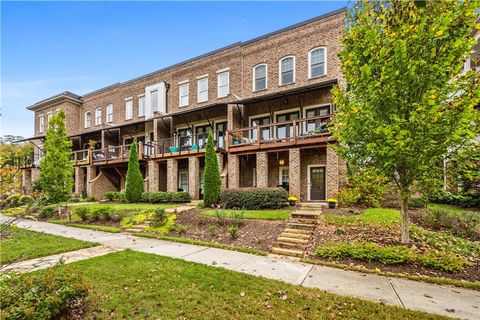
(161, 197)
(115, 196)
(254, 198)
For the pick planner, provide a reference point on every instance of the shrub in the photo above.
(348, 197)
(237, 218)
(233, 231)
(134, 180)
(444, 261)
(46, 295)
(460, 223)
(221, 217)
(115, 196)
(116, 215)
(25, 199)
(82, 212)
(163, 197)
(46, 213)
(213, 230)
(458, 199)
(159, 218)
(417, 203)
(101, 213)
(254, 198)
(211, 174)
(180, 228)
(368, 188)
(13, 200)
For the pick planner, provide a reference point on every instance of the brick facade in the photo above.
(262, 169)
(193, 177)
(172, 175)
(294, 173)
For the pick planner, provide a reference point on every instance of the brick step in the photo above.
(292, 240)
(305, 226)
(287, 252)
(290, 245)
(298, 231)
(295, 235)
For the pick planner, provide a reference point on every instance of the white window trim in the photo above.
(280, 70)
(305, 109)
(325, 58)
(96, 117)
(223, 70)
(218, 83)
(308, 181)
(85, 119)
(183, 82)
(280, 173)
(109, 106)
(41, 124)
(180, 172)
(198, 89)
(180, 84)
(131, 109)
(266, 76)
(139, 105)
(202, 76)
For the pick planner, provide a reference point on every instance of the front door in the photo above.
(317, 183)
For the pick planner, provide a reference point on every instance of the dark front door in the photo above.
(317, 183)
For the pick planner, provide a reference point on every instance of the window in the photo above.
(202, 86)
(128, 109)
(98, 116)
(110, 113)
(287, 70)
(283, 176)
(286, 130)
(265, 132)
(316, 63)
(154, 99)
(317, 125)
(223, 84)
(201, 135)
(260, 77)
(141, 106)
(184, 139)
(49, 116)
(87, 119)
(41, 124)
(183, 89)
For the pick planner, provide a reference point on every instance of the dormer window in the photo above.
(317, 63)
(87, 120)
(98, 116)
(260, 77)
(287, 70)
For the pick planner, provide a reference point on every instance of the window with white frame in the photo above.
(183, 94)
(260, 77)
(223, 84)
(41, 124)
(109, 113)
(287, 70)
(202, 87)
(154, 100)
(88, 120)
(98, 116)
(141, 106)
(317, 65)
(49, 116)
(128, 109)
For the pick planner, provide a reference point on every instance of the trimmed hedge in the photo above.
(254, 198)
(115, 196)
(161, 197)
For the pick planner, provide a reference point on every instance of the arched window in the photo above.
(110, 113)
(87, 119)
(98, 116)
(287, 70)
(260, 77)
(317, 62)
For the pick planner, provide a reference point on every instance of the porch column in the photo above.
(91, 174)
(233, 171)
(223, 177)
(294, 177)
(153, 175)
(172, 175)
(234, 116)
(262, 170)
(332, 173)
(193, 177)
(79, 181)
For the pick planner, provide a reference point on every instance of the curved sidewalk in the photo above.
(444, 300)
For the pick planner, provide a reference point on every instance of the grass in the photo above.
(202, 243)
(370, 217)
(448, 207)
(23, 244)
(129, 206)
(255, 214)
(95, 227)
(133, 285)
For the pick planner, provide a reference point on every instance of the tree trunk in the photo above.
(405, 218)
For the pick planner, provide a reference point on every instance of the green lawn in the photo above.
(20, 244)
(255, 214)
(133, 285)
(370, 217)
(130, 206)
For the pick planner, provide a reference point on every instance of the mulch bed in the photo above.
(253, 233)
(327, 233)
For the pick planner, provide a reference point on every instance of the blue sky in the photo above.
(51, 47)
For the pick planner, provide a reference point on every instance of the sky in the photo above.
(52, 47)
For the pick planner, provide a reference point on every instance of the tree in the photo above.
(211, 174)
(56, 167)
(407, 103)
(134, 181)
(11, 155)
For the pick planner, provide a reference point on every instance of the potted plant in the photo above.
(332, 203)
(293, 200)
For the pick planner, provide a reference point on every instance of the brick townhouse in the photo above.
(267, 102)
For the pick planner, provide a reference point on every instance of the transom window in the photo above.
(110, 113)
(287, 70)
(223, 84)
(141, 106)
(260, 77)
(317, 63)
(184, 88)
(98, 116)
(87, 119)
(202, 86)
(129, 109)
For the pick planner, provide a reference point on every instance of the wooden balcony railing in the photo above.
(300, 131)
(194, 143)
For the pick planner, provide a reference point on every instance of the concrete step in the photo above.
(141, 226)
(287, 252)
(294, 235)
(132, 230)
(290, 245)
(299, 231)
(306, 214)
(292, 240)
(304, 226)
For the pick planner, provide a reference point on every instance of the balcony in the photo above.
(295, 132)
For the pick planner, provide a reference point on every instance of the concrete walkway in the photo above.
(449, 301)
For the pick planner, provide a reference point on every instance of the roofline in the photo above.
(66, 95)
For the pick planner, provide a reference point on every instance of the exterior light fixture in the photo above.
(281, 162)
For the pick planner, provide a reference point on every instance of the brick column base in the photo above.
(233, 171)
(153, 176)
(193, 177)
(79, 181)
(332, 173)
(262, 170)
(294, 177)
(172, 175)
